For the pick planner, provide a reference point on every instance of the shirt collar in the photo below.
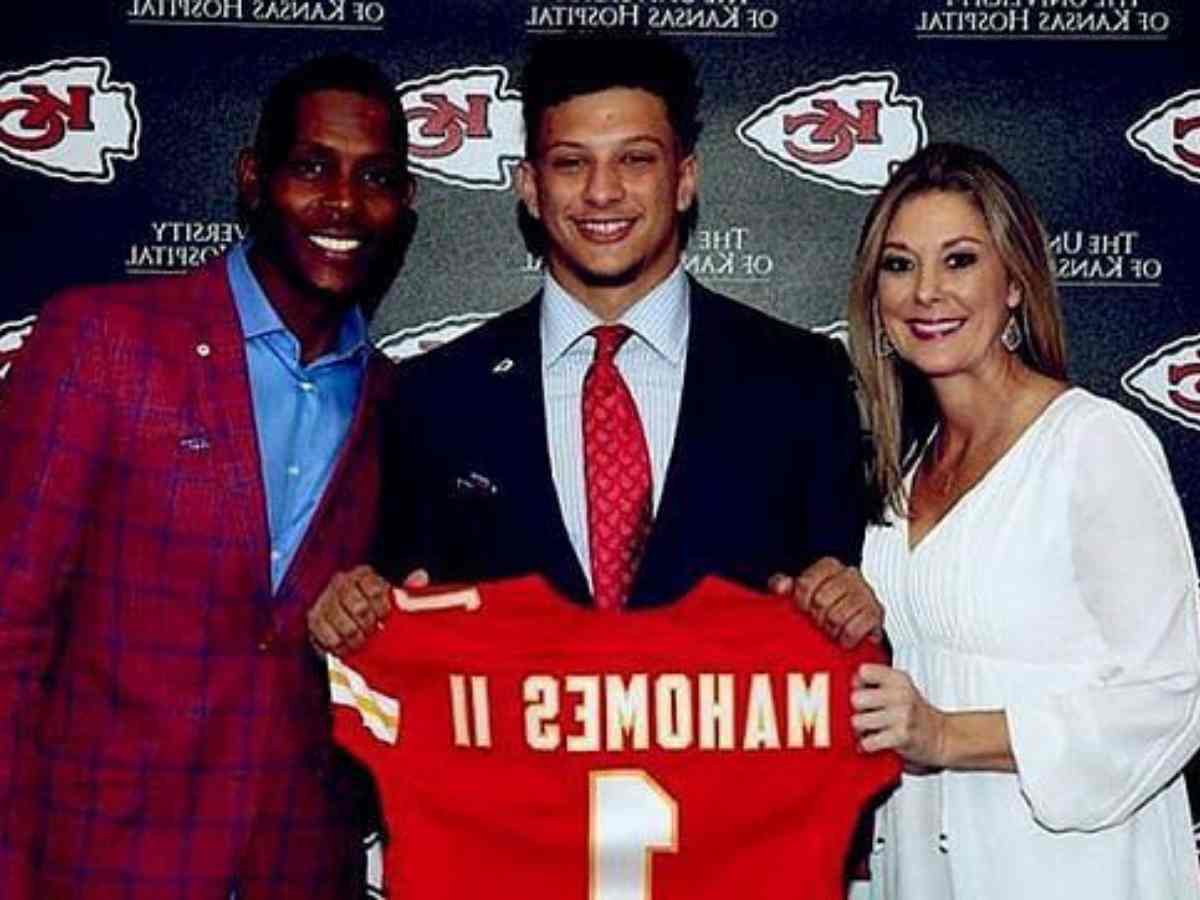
(258, 317)
(660, 318)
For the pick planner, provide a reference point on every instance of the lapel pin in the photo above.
(197, 443)
(474, 483)
(505, 365)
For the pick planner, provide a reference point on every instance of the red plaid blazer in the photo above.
(164, 726)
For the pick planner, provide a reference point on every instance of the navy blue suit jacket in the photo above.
(764, 474)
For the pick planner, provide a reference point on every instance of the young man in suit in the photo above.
(743, 455)
(188, 461)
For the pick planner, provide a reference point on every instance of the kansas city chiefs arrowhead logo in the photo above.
(1168, 381)
(418, 339)
(66, 119)
(464, 127)
(1170, 135)
(848, 133)
(12, 339)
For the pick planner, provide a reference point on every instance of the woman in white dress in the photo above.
(1034, 564)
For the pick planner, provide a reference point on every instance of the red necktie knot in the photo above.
(609, 339)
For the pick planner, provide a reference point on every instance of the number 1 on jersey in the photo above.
(631, 818)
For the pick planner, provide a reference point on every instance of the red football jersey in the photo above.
(528, 747)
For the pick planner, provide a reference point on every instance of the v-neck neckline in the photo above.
(963, 500)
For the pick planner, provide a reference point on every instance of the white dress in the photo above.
(1062, 589)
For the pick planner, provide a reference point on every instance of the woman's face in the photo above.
(944, 294)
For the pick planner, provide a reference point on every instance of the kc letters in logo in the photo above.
(1168, 381)
(464, 127)
(12, 338)
(66, 119)
(848, 133)
(1170, 135)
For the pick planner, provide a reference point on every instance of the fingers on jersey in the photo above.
(841, 603)
(352, 605)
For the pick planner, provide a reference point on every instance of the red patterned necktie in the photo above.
(616, 465)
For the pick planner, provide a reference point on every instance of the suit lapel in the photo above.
(360, 438)
(520, 403)
(659, 578)
(228, 404)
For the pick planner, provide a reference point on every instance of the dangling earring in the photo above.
(1011, 336)
(883, 344)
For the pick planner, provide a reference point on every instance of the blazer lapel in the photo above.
(227, 403)
(660, 578)
(519, 401)
(348, 462)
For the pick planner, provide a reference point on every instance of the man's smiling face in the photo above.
(609, 184)
(331, 211)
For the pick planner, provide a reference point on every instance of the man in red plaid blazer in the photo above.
(186, 463)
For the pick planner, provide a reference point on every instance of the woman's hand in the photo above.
(891, 714)
(838, 599)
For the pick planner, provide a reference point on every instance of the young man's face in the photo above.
(609, 184)
(332, 212)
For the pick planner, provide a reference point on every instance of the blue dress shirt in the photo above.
(302, 412)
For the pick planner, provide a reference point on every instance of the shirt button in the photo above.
(293, 470)
(203, 350)
(276, 556)
(264, 642)
(307, 386)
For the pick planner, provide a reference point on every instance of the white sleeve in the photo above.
(1088, 759)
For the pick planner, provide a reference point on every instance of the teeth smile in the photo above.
(940, 328)
(334, 244)
(606, 228)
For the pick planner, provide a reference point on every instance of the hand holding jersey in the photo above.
(356, 602)
(838, 598)
(353, 605)
(702, 749)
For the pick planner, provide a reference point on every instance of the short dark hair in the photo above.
(331, 72)
(560, 68)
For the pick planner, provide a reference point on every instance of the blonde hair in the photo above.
(897, 401)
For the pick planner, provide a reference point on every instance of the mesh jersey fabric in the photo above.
(525, 746)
